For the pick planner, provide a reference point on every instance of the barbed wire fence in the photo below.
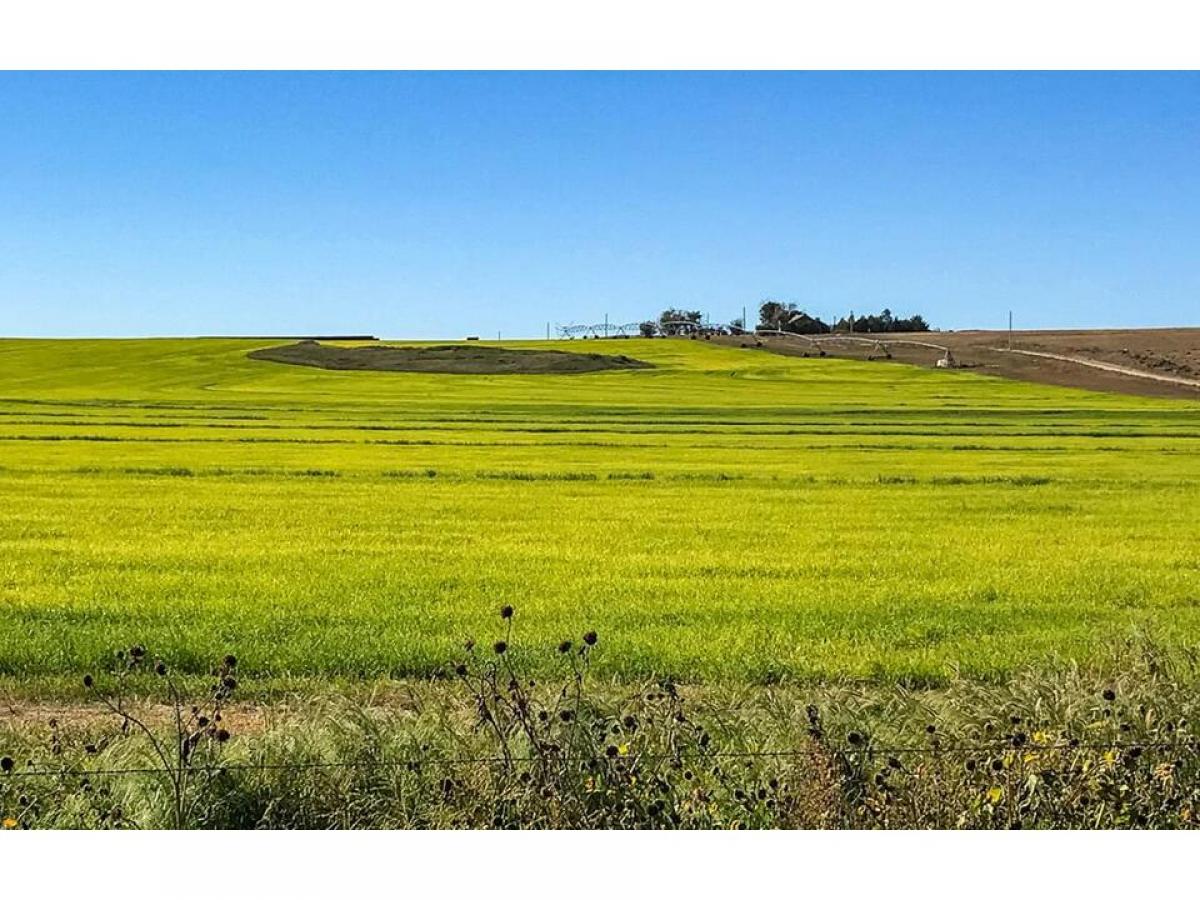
(1188, 745)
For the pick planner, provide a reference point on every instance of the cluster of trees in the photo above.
(679, 321)
(788, 317)
(673, 322)
(884, 322)
(779, 316)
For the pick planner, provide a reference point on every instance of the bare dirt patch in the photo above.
(449, 359)
(1166, 353)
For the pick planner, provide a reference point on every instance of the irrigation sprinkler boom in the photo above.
(881, 344)
(633, 329)
(599, 330)
(687, 326)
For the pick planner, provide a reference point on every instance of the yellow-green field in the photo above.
(727, 515)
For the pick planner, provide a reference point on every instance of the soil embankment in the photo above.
(449, 359)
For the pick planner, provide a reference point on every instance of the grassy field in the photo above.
(728, 515)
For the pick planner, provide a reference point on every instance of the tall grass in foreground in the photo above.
(486, 746)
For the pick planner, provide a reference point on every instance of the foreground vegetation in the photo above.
(493, 747)
(728, 516)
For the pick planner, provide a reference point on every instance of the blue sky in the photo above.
(442, 204)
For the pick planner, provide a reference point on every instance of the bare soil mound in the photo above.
(450, 359)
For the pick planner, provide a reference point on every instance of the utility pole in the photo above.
(606, 324)
(1010, 329)
(547, 331)
(745, 324)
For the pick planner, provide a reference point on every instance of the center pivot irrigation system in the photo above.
(883, 345)
(602, 330)
(633, 329)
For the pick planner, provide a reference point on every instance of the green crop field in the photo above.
(728, 515)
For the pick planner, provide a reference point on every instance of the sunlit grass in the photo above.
(728, 515)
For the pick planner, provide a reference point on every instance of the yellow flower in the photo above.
(10, 822)
(623, 750)
(995, 795)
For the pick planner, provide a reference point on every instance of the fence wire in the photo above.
(1186, 745)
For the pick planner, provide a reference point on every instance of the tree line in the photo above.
(778, 316)
(788, 317)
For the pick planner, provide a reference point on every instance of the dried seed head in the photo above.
(1109, 694)
(506, 612)
(6, 764)
(160, 668)
(564, 647)
(500, 647)
(88, 681)
(590, 638)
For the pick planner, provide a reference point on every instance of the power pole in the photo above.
(1010, 329)
(745, 324)
(547, 331)
(606, 325)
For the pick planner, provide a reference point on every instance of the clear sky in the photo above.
(444, 204)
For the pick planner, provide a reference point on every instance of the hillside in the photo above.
(1153, 362)
(728, 514)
